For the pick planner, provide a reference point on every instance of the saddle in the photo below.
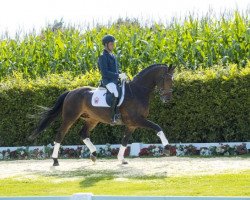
(102, 97)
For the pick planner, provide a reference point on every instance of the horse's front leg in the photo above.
(125, 139)
(144, 123)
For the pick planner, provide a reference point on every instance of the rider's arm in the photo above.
(103, 65)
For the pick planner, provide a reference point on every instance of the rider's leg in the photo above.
(113, 108)
(112, 88)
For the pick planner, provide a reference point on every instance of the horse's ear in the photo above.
(171, 68)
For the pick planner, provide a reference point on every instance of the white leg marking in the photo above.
(56, 150)
(163, 138)
(90, 145)
(120, 155)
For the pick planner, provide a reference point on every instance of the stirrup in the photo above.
(113, 121)
(116, 119)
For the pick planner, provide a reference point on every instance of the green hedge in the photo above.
(209, 105)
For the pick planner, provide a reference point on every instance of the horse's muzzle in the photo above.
(165, 99)
(166, 96)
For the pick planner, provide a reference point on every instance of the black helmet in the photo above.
(108, 38)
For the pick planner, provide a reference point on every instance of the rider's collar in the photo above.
(106, 51)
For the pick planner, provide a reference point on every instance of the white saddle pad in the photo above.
(99, 96)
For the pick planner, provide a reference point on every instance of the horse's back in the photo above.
(79, 94)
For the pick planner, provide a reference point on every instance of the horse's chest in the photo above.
(146, 112)
(143, 108)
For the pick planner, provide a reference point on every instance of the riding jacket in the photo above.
(109, 68)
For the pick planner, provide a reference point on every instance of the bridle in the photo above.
(162, 78)
(162, 92)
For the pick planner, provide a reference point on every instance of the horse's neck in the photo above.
(136, 91)
(147, 81)
(142, 87)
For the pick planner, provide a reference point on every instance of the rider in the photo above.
(110, 72)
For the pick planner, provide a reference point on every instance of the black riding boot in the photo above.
(114, 114)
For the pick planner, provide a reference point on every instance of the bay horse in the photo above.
(134, 110)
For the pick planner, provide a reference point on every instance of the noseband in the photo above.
(164, 92)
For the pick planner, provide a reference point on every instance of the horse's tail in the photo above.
(48, 116)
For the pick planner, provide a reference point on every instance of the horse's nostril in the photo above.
(167, 100)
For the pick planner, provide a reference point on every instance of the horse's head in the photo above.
(165, 83)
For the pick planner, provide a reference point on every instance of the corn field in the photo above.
(190, 43)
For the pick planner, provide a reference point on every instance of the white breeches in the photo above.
(112, 88)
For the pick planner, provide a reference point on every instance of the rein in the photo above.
(130, 90)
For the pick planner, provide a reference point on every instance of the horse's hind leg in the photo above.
(59, 138)
(85, 133)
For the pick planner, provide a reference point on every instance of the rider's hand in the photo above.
(123, 76)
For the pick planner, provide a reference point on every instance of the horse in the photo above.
(134, 110)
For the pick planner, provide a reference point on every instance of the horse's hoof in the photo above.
(124, 162)
(92, 157)
(166, 152)
(56, 163)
